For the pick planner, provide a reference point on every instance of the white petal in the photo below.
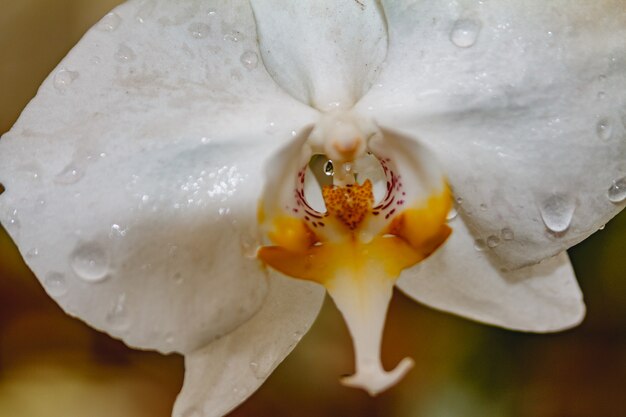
(525, 105)
(463, 280)
(133, 177)
(226, 372)
(324, 52)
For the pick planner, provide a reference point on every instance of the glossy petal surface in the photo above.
(132, 178)
(524, 104)
(461, 278)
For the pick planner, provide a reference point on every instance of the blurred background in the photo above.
(52, 365)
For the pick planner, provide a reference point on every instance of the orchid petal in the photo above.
(229, 370)
(132, 178)
(523, 103)
(325, 53)
(462, 280)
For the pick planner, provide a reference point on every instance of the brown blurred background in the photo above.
(52, 365)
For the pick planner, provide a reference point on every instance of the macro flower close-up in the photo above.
(195, 176)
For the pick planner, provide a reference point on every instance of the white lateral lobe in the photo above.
(463, 280)
(132, 178)
(524, 104)
(223, 374)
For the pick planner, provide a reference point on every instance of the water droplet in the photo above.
(124, 54)
(493, 241)
(117, 231)
(250, 59)
(465, 32)
(601, 95)
(55, 284)
(199, 30)
(483, 207)
(32, 253)
(13, 220)
(145, 10)
(117, 316)
(507, 234)
(459, 200)
(480, 245)
(40, 204)
(602, 227)
(254, 366)
(452, 214)
(211, 12)
(169, 339)
(328, 168)
(110, 22)
(604, 129)
(233, 36)
(64, 78)
(71, 174)
(91, 262)
(617, 191)
(557, 212)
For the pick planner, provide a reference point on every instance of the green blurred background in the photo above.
(52, 365)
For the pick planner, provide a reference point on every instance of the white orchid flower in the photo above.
(169, 167)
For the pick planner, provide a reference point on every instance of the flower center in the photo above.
(353, 243)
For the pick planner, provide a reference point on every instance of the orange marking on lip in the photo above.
(412, 236)
(350, 204)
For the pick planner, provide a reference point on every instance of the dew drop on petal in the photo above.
(32, 253)
(199, 30)
(452, 214)
(211, 12)
(124, 54)
(507, 234)
(90, 262)
(250, 60)
(465, 32)
(110, 22)
(71, 174)
(459, 201)
(117, 316)
(329, 169)
(55, 284)
(233, 36)
(254, 367)
(493, 241)
(604, 129)
(480, 245)
(617, 191)
(13, 221)
(557, 212)
(64, 78)
(145, 10)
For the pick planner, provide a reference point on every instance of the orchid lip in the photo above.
(332, 228)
